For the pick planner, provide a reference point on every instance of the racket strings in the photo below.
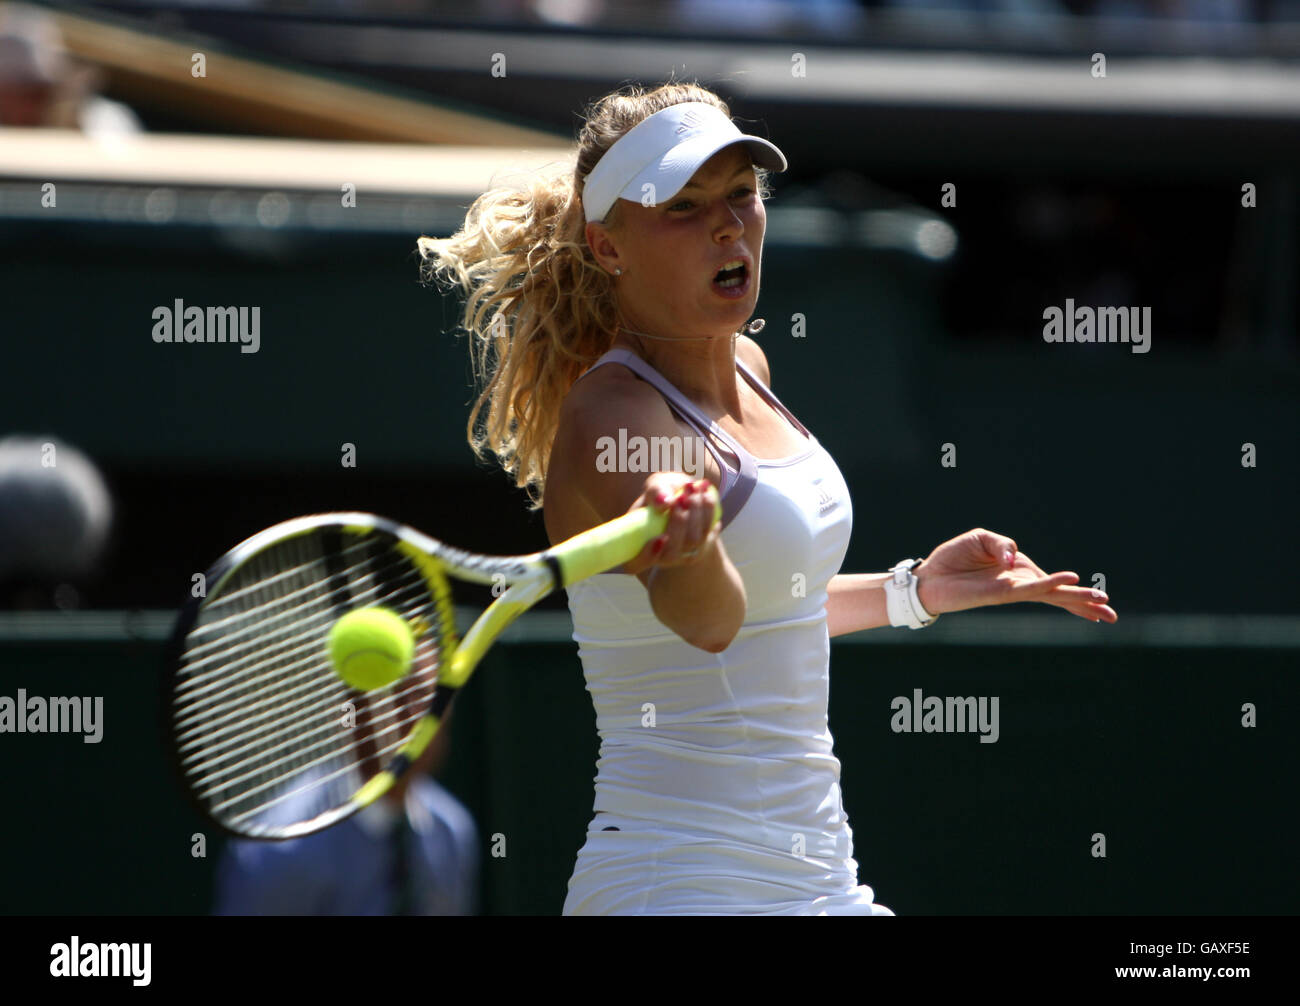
(267, 731)
(298, 643)
(216, 765)
(292, 628)
(273, 703)
(263, 775)
(284, 796)
(303, 583)
(316, 772)
(309, 754)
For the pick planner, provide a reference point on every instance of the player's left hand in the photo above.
(982, 568)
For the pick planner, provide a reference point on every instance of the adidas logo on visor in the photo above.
(691, 119)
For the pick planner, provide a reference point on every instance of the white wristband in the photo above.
(901, 598)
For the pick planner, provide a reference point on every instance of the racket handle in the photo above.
(616, 542)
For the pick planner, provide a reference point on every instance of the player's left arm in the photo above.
(977, 569)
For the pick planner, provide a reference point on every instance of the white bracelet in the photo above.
(901, 598)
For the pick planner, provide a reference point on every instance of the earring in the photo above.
(618, 272)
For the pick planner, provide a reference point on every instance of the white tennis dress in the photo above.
(717, 791)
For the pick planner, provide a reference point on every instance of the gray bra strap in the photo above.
(734, 496)
(771, 398)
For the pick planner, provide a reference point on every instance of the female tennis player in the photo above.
(606, 309)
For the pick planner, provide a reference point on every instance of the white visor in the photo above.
(653, 160)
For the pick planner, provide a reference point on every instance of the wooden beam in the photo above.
(238, 92)
(254, 162)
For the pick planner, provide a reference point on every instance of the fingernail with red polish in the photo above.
(659, 544)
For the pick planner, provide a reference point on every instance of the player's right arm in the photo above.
(700, 597)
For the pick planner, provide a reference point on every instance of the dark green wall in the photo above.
(1142, 743)
(1094, 458)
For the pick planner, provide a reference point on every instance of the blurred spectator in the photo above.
(1026, 10)
(55, 515)
(41, 86)
(1223, 11)
(767, 16)
(413, 852)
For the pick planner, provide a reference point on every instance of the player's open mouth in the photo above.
(732, 280)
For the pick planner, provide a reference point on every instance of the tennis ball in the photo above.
(371, 648)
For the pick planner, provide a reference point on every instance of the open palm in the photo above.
(982, 568)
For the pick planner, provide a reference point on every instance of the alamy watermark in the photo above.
(179, 323)
(1103, 324)
(946, 714)
(56, 715)
(75, 959)
(650, 454)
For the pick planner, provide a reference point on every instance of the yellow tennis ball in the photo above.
(371, 648)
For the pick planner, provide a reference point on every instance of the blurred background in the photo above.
(956, 169)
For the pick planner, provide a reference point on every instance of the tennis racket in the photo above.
(270, 742)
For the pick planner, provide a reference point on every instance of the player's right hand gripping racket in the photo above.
(271, 743)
